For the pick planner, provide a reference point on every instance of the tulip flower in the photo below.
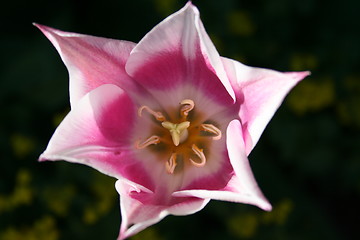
(168, 117)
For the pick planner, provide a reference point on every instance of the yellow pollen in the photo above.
(188, 106)
(158, 115)
(151, 140)
(178, 132)
(211, 129)
(199, 152)
(171, 164)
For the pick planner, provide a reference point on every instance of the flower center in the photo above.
(178, 132)
(179, 139)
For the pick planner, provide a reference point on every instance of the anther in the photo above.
(188, 106)
(158, 115)
(151, 140)
(199, 152)
(171, 164)
(211, 129)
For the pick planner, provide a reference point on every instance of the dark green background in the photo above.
(307, 162)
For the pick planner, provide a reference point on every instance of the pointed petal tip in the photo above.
(191, 7)
(47, 31)
(122, 235)
(125, 233)
(266, 206)
(304, 74)
(42, 158)
(268, 209)
(40, 26)
(262, 202)
(188, 4)
(307, 73)
(299, 75)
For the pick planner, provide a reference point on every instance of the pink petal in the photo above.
(178, 52)
(91, 61)
(97, 132)
(242, 187)
(139, 215)
(259, 94)
(246, 183)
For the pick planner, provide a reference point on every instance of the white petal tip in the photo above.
(263, 203)
(189, 6)
(40, 26)
(42, 158)
(299, 75)
(304, 74)
(47, 31)
(266, 207)
(121, 237)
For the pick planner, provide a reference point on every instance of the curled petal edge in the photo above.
(139, 216)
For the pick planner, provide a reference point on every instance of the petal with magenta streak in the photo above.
(91, 61)
(97, 132)
(176, 53)
(259, 93)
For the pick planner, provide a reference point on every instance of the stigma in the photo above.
(178, 132)
(183, 138)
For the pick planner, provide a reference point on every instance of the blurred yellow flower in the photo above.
(165, 7)
(244, 225)
(279, 214)
(59, 199)
(240, 23)
(312, 95)
(148, 234)
(21, 195)
(43, 229)
(348, 109)
(21, 145)
(104, 201)
(303, 61)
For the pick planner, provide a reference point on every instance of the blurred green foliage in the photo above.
(307, 162)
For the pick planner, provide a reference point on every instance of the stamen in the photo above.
(178, 131)
(158, 115)
(171, 164)
(151, 140)
(199, 152)
(188, 106)
(211, 129)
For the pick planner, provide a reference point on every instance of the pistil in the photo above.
(178, 132)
